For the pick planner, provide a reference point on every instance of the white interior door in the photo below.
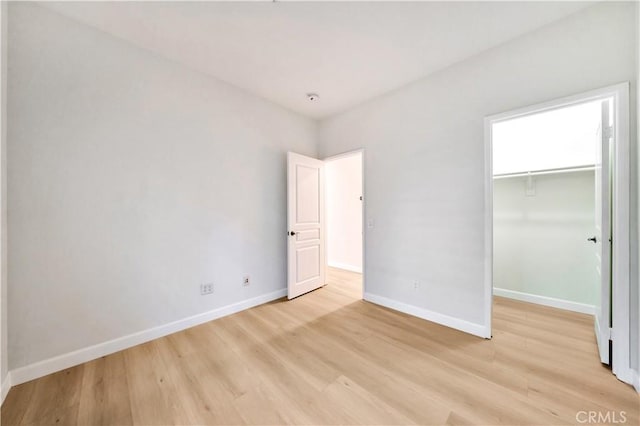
(305, 218)
(602, 237)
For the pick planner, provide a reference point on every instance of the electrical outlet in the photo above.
(246, 280)
(206, 288)
(415, 285)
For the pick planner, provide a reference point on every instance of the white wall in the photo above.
(343, 189)
(425, 155)
(540, 242)
(133, 180)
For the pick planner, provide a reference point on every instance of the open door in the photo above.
(602, 238)
(306, 229)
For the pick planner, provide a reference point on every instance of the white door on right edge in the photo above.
(602, 237)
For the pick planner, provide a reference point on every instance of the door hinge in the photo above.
(610, 337)
(607, 132)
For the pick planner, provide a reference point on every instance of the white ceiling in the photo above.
(345, 52)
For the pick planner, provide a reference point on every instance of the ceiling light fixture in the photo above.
(313, 97)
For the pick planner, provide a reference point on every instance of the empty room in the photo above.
(319, 213)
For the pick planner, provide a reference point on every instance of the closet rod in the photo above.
(546, 172)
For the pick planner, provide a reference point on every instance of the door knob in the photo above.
(593, 239)
(292, 233)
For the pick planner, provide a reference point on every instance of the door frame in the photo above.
(360, 151)
(620, 264)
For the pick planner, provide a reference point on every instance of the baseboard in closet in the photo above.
(546, 301)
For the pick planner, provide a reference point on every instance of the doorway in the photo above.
(344, 221)
(557, 211)
(323, 251)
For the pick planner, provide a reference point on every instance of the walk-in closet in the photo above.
(544, 207)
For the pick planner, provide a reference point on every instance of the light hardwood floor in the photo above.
(330, 358)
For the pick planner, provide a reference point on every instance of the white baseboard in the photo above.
(5, 387)
(51, 365)
(546, 301)
(459, 324)
(346, 267)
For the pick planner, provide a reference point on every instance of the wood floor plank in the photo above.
(189, 401)
(16, 403)
(303, 399)
(363, 407)
(330, 358)
(146, 386)
(104, 396)
(57, 397)
(259, 407)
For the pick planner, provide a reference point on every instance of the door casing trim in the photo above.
(620, 265)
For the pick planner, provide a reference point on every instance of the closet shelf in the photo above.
(546, 172)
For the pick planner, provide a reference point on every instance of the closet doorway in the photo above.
(558, 212)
